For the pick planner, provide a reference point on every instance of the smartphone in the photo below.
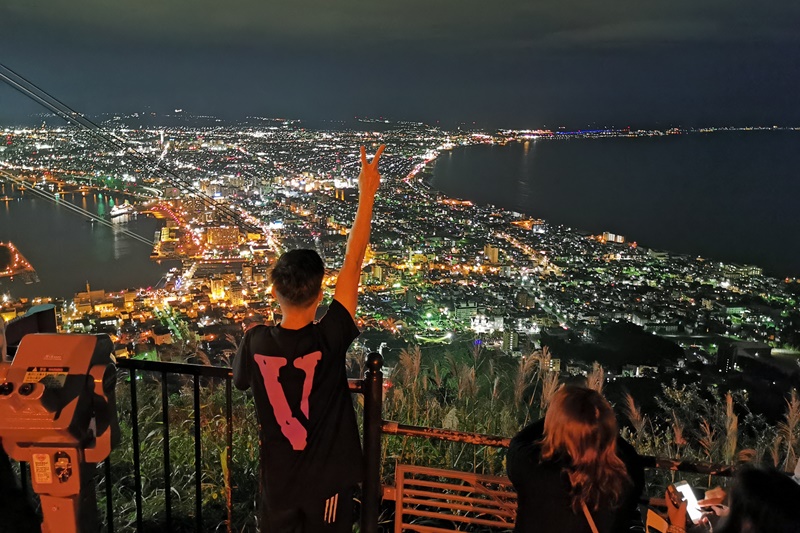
(693, 510)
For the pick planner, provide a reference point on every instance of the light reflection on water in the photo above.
(67, 249)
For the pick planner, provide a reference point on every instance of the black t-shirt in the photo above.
(544, 502)
(310, 448)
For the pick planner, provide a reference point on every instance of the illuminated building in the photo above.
(169, 233)
(510, 341)
(217, 289)
(536, 225)
(465, 310)
(613, 237)
(88, 301)
(346, 195)
(222, 236)
(525, 299)
(378, 273)
(247, 273)
(236, 294)
(741, 271)
(492, 253)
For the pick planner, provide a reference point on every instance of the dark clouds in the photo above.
(515, 62)
(475, 23)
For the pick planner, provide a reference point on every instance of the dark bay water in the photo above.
(67, 250)
(731, 196)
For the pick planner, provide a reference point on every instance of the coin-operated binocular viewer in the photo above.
(58, 413)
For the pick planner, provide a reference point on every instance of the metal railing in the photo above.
(374, 427)
(370, 386)
(660, 463)
(196, 371)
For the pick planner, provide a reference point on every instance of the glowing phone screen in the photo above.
(691, 501)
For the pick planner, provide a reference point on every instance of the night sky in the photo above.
(514, 63)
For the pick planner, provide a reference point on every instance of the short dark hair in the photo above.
(297, 276)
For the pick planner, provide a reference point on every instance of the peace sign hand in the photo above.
(369, 178)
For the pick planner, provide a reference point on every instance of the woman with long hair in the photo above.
(572, 471)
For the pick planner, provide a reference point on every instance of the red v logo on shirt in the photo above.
(291, 427)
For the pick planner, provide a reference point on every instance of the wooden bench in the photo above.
(430, 500)
(434, 500)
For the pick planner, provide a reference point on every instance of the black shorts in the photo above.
(334, 515)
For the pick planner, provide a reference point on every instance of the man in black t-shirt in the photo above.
(310, 449)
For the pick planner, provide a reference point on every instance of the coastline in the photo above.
(102, 256)
(701, 243)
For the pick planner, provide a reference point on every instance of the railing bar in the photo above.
(24, 485)
(355, 385)
(167, 469)
(137, 472)
(394, 428)
(109, 495)
(176, 368)
(696, 468)
(229, 452)
(198, 504)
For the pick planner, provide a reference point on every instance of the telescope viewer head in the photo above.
(58, 390)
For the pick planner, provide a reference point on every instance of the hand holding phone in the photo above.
(695, 514)
(676, 507)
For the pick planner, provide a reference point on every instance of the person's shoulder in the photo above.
(529, 437)
(258, 332)
(633, 462)
(533, 431)
(336, 307)
(626, 449)
(337, 312)
(257, 329)
(538, 427)
(523, 460)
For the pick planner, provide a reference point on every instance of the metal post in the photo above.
(109, 496)
(137, 465)
(167, 469)
(198, 459)
(229, 452)
(24, 476)
(373, 404)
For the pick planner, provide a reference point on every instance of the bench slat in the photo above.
(457, 518)
(445, 492)
(482, 489)
(505, 501)
(497, 511)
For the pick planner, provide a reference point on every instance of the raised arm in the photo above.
(369, 179)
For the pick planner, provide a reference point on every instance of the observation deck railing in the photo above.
(371, 387)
